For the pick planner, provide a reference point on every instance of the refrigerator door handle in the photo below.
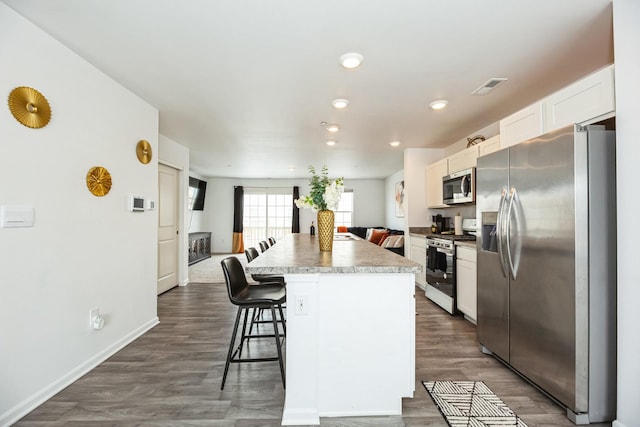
(513, 266)
(500, 232)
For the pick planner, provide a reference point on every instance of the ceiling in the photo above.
(245, 84)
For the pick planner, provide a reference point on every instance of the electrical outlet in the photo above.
(302, 304)
(93, 313)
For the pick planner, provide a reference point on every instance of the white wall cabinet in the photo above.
(489, 146)
(522, 125)
(582, 101)
(418, 253)
(586, 101)
(464, 159)
(466, 281)
(434, 173)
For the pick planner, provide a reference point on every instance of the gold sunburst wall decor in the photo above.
(29, 107)
(99, 181)
(143, 151)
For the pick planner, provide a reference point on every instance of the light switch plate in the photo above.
(16, 216)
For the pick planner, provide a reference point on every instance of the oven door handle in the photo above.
(500, 232)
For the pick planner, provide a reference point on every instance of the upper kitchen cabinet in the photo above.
(586, 101)
(589, 99)
(434, 173)
(464, 159)
(489, 146)
(525, 124)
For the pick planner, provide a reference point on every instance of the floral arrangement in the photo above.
(325, 193)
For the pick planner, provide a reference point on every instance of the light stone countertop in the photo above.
(300, 254)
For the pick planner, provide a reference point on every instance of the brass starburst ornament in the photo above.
(29, 107)
(99, 181)
(143, 151)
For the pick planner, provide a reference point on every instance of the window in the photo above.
(344, 213)
(267, 213)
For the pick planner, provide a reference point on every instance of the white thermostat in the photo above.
(136, 204)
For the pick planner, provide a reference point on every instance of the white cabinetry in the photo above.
(584, 100)
(464, 159)
(418, 253)
(489, 146)
(466, 281)
(434, 173)
(526, 123)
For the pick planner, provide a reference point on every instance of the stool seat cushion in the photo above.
(263, 294)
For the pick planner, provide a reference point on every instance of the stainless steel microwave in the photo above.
(459, 187)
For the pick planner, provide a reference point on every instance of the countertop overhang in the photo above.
(300, 254)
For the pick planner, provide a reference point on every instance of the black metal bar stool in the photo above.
(251, 254)
(264, 296)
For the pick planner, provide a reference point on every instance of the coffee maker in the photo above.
(443, 223)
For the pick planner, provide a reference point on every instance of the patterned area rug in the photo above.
(470, 403)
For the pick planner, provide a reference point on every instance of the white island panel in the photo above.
(350, 348)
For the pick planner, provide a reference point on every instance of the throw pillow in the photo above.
(384, 237)
(397, 243)
(389, 241)
(377, 235)
(367, 236)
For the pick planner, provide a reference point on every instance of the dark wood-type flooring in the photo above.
(171, 375)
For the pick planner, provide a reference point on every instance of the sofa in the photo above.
(392, 240)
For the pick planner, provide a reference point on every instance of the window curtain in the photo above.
(295, 218)
(237, 247)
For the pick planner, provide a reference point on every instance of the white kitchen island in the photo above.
(350, 346)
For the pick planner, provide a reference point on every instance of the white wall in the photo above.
(83, 251)
(391, 220)
(415, 163)
(626, 17)
(369, 199)
(197, 220)
(172, 154)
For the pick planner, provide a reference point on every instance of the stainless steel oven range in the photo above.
(441, 265)
(440, 273)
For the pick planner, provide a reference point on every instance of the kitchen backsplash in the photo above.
(466, 211)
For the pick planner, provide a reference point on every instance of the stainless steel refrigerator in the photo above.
(547, 265)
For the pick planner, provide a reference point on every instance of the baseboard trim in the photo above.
(29, 404)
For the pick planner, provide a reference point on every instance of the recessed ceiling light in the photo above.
(439, 104)
(292, 169)
(340, 103)
(351, 60)
(333, 128)
(394, 143)
(331, 143)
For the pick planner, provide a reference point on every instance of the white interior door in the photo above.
(167, 228)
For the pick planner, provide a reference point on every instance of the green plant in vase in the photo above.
(323, 198)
